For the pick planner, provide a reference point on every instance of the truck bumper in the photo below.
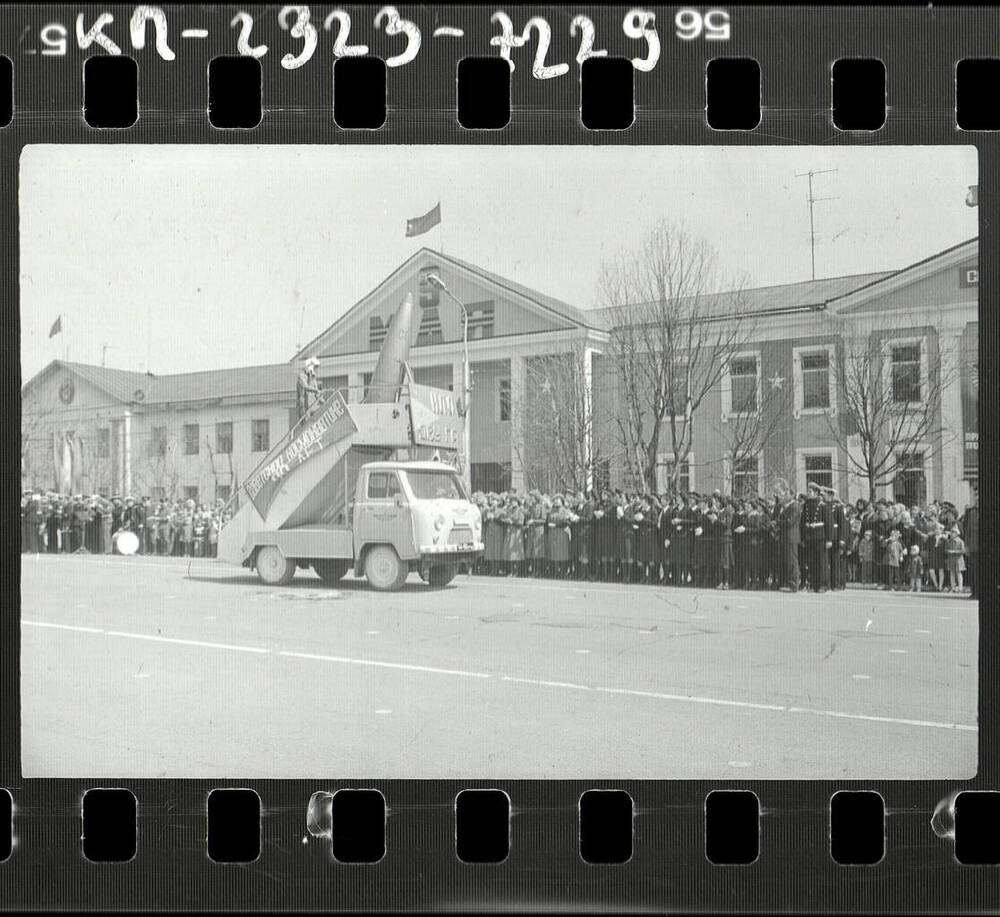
(450, 553)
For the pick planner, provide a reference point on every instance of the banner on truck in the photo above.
(330, 425)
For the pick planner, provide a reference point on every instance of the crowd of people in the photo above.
(789, 542)
(56, 523)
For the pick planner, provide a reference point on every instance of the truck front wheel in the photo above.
(273, 567)
(442, 574)
(385, 571)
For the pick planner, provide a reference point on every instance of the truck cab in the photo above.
(412, 516)
(405, 517)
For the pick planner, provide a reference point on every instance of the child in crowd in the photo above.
(866, 556)
(915, 568)
(894, 555)
(954, 550)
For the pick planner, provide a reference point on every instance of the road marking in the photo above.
(142, 674)
(386, 665)
(861, 677)
(739, 763)
(383, 712)
(209, 617)
(372, 632)
(647, 631)
(628, 692)
(899, 652)
(921, 632)
(156, 638)
(83, 605)
(583, 651)
(944, 618)
(86, 630)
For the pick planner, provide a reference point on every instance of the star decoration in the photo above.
(777, 381)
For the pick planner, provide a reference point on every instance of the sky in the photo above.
(184, 258)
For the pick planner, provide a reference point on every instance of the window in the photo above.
(665, 470)
(190, 439)
(910, 484)
(435, 485)
(377, 330)
(382, 485)
(190, 493)
(743, 381)
(103, 442)
(224, 437)
(678, 387)
(746, 477)
(222, 491)
(815, 380)
(430, 326)
(905, 368)
(819, 470)
(503, 392)
(158, 441)
(480, 319)
(260, 435)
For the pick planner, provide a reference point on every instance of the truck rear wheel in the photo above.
(442, 574)
(330, 571)
(273, 567)
(385, 571)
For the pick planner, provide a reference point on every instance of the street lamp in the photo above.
(435, 281)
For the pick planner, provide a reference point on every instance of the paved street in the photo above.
(138, 667)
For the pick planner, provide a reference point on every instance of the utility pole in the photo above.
(813, 200)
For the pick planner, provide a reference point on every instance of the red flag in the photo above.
(56, 327)
(419, 225)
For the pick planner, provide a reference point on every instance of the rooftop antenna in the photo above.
(302, 319)
(104, 352)
(813, 200)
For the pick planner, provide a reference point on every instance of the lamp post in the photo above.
(435, 281)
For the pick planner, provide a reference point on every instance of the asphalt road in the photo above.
(144, 667)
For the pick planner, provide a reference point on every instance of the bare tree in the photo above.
(676, 323)
(559, 443)
(158, 467)
(889, 382)
(37, 410)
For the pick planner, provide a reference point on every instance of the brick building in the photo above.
(202, 433)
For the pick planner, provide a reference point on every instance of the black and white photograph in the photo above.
(506, 462)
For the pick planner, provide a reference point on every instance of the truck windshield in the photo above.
(435, 485)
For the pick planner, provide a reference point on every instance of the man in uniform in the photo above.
(840, 536)
(307, 386)
(817, 539)
(788, 539)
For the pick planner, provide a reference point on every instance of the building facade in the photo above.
(202, 433)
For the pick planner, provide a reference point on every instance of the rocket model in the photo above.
(388, 375)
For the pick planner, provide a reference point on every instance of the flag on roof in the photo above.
(419, 225)
(56, 327)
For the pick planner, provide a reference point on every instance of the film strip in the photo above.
(460, 229)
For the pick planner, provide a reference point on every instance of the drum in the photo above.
(125, 543)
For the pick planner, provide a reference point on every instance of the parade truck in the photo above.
(370, 486)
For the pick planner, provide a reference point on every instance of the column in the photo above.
(588, 412)
(517, 402)
(355, 381)
(127, 452)
(952, 486)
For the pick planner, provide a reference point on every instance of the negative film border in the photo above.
(668, 869)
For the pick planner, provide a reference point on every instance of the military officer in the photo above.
(817, 539)
(840, 536)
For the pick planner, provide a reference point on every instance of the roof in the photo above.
(780, 297)
(587, 318)
(411, 466)
(209, 385)
(565, 310)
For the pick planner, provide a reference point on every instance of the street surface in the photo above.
(136, 667)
